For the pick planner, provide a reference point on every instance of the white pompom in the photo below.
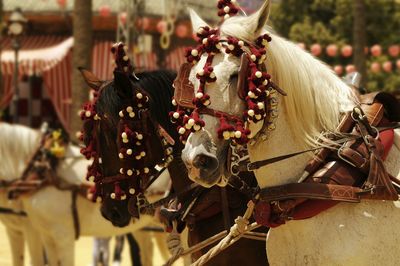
(131, 191)
(88, 113)
(121, 114)
(258, 116)
(181, 130)
(250, 112)
(226, 9)
(199, 95)
(226, 135)
(258, 74)
(201, 72)
(146, 170)
(129, 109)
(112, 195)
(139, 136)
(120, 155)
(191, 121)
(175, 115)
(238, 134)
(207, 102)
(260, 105)
(194, 52)
(231, 47)
(241, 43)
(226, 16)
(124, 135)
(139, 95)
(253, 57)
(131, 114)
(125, 140)
(196, 127)
(129, 172)
(212, 75)
(174, 103)
(125, 58)
(123, 197)
(143, 153)
(129, 151)
(205, 41)
(91, 178)
(265, 82)
(251, 94)
(121, 171)
(187, 126)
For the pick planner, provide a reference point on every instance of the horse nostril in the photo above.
(203, 161)
(115, 215)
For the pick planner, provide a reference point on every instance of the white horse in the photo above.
(347, 234)
(49, 209)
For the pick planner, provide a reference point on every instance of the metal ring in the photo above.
(165, 41)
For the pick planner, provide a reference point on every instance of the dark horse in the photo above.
(205, 218)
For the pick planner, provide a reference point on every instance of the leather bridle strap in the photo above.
(258, 164)
(11, 211)
(218, 114)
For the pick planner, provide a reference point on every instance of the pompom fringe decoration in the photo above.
(131, 142)
(258, 90)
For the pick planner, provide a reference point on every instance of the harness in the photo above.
(353, 173)
(39, 173)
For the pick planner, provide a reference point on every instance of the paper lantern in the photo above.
(375, 67)
(338, 70)
(347, 50)
(315, 49)
(122, 17)
(301, 45)
(181, 31)
(350, 69)
(394, 50)
(105, 11)
(387, 66)
(161, 26)
(62, 3)
(376, 50)
(332, 50)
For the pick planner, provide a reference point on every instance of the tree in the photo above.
(83, 39)
(359, 39)
(341, 22)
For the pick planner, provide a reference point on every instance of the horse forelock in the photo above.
(316, 96)
(16, 146)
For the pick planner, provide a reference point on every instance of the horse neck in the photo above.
(16, 146)
(279, 142)
(73, 167)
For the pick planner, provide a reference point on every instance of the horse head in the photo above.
(120, 132)
(221, 67)
(238, 70)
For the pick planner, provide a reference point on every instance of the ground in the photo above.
(83, 250)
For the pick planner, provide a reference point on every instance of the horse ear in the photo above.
(260, 18)
(197, 21)
(123, 84)
(90, 79)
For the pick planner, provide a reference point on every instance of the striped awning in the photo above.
(51, 57)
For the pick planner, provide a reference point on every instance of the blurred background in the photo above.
(44, 41)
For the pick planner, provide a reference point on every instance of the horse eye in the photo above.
(233, 76)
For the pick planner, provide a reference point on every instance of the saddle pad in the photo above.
(311, 207)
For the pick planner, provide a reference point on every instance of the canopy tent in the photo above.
(51, 58)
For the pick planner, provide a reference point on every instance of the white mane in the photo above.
(17, 143)
(316, 96)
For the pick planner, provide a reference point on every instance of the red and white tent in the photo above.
(51, 57)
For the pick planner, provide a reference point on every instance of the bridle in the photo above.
(134, 139)
(254, 87)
